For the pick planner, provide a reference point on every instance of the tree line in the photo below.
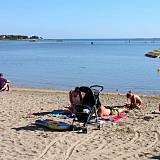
(18, 37)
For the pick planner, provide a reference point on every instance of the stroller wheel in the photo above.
(73, 128)
(84, 130)
(98, 126)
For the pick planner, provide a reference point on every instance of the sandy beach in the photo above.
(136, 137)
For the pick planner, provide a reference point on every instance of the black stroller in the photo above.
(90, 104)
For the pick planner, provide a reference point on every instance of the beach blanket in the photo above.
(114, 118)
(63, 116)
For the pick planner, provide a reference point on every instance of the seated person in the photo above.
(4, 83)
(135, 100)
(75, 99)
(103, 111)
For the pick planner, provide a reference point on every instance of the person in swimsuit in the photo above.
(135, 100)
(75, 99)
(103, 111)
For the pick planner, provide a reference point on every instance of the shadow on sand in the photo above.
(33, 128)
(36, 128)
(60, 111)
(155, 157)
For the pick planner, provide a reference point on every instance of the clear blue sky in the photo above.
(81, 18)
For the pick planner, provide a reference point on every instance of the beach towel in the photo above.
(55, 113)
(62, 114)
(114, 118)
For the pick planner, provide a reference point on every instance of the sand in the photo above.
(136, 137)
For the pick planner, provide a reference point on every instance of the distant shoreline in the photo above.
(69, 39)
(98, 41)
(19, 37)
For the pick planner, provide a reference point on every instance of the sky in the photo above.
(81, 18)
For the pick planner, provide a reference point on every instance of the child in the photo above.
(135, 100)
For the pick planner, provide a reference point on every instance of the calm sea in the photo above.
(117, 64)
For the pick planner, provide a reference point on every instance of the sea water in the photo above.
(117, 64)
